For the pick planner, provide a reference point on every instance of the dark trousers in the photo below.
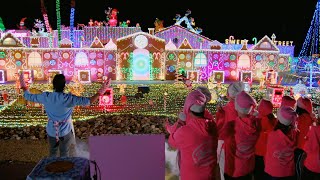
(259, 168)
(298, 159)
(309, 175)
(246, 177)
(268, 177)
(63, 145)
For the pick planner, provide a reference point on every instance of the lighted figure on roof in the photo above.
(112, 16)
(39, 25)
(188, 21)
(124, 23)
(158, 25)
(22, 24)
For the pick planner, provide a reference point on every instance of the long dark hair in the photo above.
(285, 129)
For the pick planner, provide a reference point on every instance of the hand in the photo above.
(104, 87)
(167, 125)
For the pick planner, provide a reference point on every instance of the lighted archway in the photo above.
(244, 62)
(34, 59)
(81, 59)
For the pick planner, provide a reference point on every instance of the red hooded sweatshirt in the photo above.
(279, 158)
(304, 122)
(267, 126)
(223, 116)
(240, 146)
(197, 142)
(312, 149)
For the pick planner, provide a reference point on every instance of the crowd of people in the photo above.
(244, 140)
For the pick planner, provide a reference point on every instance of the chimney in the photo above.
(151, 31)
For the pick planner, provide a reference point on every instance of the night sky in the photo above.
(289, 20)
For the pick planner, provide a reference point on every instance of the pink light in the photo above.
(107, 98)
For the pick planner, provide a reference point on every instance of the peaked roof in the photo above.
(170, 46)
(265, 44)
(96, 43)
(138, 33)
(111, 45)
(185, 44)
(179, 26)
(17, 43)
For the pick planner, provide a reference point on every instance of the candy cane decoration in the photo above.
(231, 39)
(45, 16)
(254, 40)
(156, 55)
(125, 55)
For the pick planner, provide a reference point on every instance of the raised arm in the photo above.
(101, 91)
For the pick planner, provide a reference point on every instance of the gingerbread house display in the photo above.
(140, 57)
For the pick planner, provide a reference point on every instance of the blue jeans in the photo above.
(63, 145)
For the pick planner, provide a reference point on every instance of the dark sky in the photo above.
(289, 20)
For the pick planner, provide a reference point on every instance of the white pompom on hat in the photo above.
(235, 88)
(244, 103)
(195, 101)
(286, 115)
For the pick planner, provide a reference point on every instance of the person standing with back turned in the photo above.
(59, 107)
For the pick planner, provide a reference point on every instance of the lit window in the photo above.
(265, 45)
(244, 62)
(34, 59)
(81, 59)
(200, 59)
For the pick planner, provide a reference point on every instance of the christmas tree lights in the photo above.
(309, 54)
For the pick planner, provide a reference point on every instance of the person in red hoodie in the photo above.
(196, 140)
(288, 101)
(224, 115)
(267, 121)
(311, 169)
(304, 121)
(279, 158)
(240, 139)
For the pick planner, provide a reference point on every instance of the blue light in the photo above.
(72, 24)
(311, 43)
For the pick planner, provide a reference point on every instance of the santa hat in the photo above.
(244, 103)
(265, 107)
(195, 102)
(205, 91)
(305, 103)
(289, 101)
(286, 115)
(235, 88)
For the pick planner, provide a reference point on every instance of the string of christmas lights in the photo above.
(73, 4)
(58, 20)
